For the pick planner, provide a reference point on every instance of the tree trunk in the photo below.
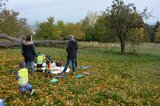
(122, 41)
(122, 47)
(4, 36)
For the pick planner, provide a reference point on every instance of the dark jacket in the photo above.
(71, 49)
(28, 50)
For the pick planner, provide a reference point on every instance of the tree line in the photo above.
(120, 22)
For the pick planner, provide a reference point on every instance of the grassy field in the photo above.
(115, 79)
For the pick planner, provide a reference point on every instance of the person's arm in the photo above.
(17, 76)
(22, 49)
(33, 50)
(68, 47)
(76, 46)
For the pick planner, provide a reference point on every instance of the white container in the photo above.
(53, 65)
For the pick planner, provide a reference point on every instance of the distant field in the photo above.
(115, 79)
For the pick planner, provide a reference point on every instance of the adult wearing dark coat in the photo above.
(72, 48)
(29, 52)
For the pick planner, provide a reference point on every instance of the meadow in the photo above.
(115, 79)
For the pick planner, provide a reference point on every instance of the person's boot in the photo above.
(46, 75)
(50, 75)
(63, 73)
(31, 73)
(32, 91)
(73, 73)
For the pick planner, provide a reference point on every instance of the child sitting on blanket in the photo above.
(22, 77)
(48, 68)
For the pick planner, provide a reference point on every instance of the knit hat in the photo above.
(71, 37)
(22, 64)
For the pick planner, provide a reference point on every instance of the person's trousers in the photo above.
(67, 64)
(23, 89)
(30, 63)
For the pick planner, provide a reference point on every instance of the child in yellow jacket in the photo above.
(22, 77)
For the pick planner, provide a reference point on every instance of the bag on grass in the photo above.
(58, 63)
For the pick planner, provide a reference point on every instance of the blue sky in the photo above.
(73, 10)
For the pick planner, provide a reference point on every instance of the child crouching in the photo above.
(22, 77)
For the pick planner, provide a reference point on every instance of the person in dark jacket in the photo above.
(24, 38)
(29, 52)
(72, 48)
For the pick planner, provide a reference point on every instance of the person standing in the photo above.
(72, 48)
(29, 52)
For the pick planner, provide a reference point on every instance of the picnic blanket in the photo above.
(55, 69)
(58, 70)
